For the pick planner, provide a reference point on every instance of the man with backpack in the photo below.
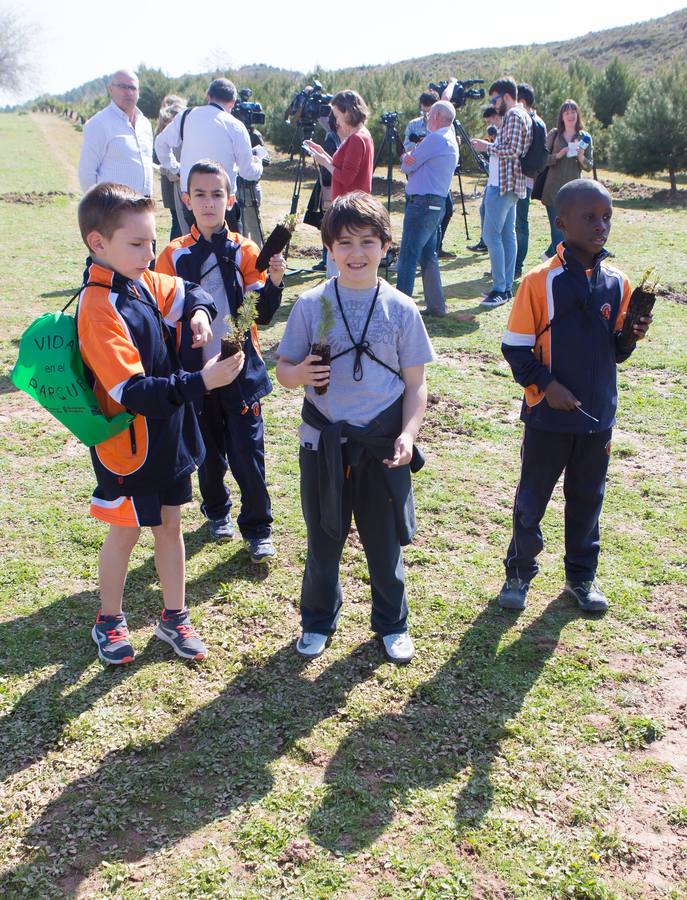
(209, 132)
(505, 187)
(532, 163)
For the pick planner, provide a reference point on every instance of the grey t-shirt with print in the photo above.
(396, 335)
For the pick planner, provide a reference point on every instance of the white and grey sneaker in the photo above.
(311, 644)
(398, 648)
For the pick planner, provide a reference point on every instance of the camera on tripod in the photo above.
(462, 91)
(247, 111)
(389, 119)
(308, 105)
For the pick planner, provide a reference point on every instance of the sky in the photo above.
(77, 41)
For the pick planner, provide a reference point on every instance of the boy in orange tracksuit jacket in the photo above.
(125, 321)
(563, 345)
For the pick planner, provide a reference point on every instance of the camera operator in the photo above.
(505, 187)
(429, 167)
(210, 132)
(416, 131)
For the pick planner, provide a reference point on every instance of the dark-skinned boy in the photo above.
(563, 345)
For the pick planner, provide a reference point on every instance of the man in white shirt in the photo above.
(118, 140)
(209, 132)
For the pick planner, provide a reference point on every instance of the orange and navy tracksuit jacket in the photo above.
(127, 340)
(564, 325)
(235, 257)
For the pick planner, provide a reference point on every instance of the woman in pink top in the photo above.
(351, 165)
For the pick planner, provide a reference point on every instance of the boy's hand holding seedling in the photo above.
(200, 328)
(217, 372)
(277, 268)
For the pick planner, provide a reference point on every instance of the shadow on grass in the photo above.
(58, 635)
(454, 722)
(142, 800)
(6, 386)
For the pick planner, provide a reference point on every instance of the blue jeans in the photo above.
(522, 229)
(556, 234)
(499, 235)
(421, 222)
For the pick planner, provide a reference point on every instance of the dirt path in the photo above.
(55, 135)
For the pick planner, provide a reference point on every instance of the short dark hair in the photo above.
(103, 207)
(208, 167)
(572, 192)
(222, 89)
(354, 212)
(490, 113)
(505, 85)
(526, 93)
(352, 106)
(428, 98)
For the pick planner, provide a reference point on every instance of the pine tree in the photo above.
(611, 91)
(652, 135)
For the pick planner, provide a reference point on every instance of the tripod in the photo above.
(250, 210)
(464, 140)
(391, 141)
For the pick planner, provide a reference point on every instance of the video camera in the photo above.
(247, 111)
(462, 91)
(389, 119)
(308, 105)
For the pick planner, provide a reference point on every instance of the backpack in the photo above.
(533, 161)
(51, 371)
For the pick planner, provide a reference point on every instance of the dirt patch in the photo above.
(34, 198)
(671, 295)
(635, 190)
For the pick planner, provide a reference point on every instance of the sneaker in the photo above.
(221, 529)
(321, 266)
(398, 648)
(260, 550)
(513, 594)
(311, 644)
(589, 596)
(509, 295)
(111, 634)
(176, 630)
(445, 254)
(487, 274)
(431, 314)
(495, 298)
(479, 247)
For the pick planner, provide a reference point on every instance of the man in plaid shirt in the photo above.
(505, 187)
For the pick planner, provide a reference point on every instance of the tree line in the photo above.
(638, 126)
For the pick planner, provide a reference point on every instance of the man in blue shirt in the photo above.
(429, 167)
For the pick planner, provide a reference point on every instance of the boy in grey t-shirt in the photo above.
(357, 438)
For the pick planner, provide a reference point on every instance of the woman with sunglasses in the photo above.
(570, 153)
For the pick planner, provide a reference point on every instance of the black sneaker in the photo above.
(494, 299)
(509, 295)
(112, 637)
(479, 247)
(260, 550)
(221, 529)
(589, 596)
(513, 594)
(176, 630)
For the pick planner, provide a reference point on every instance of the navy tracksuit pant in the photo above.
(365, 496)
(236, 441)
(545, 455)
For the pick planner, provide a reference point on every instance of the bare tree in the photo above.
(16, 37)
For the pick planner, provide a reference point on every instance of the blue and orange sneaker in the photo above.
(111, 634)
(176, 630)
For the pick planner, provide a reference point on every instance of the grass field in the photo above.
(534, 756)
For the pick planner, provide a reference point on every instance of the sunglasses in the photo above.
(495, 100)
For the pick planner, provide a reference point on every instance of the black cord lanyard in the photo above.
(361, 346)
